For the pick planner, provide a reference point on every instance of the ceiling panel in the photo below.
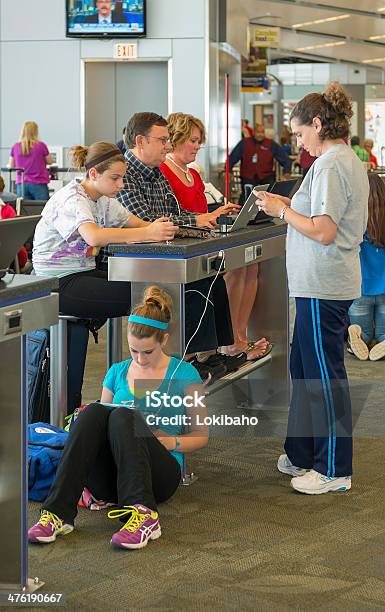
(354, 30)
(369, 5)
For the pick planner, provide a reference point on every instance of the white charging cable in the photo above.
(176, 200)
(222, 255)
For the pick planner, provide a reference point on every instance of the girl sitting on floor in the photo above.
(124, 449)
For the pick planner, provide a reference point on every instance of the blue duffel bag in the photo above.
(45, 448)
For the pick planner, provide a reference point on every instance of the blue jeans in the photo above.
(368, 312)
(34, 191)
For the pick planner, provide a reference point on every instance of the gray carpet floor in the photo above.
(240, 537)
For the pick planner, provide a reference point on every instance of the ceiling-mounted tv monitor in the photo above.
(106, 18)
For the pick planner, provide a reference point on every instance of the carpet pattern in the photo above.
(240, 537)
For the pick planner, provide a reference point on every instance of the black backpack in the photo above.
(39, 368)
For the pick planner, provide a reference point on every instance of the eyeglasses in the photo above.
(162, 139)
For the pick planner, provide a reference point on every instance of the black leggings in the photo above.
(113, 453)
(91, 295)
(216, 328)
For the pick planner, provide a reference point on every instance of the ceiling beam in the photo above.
(314, 57)
(347, 39)
(320, 58)
(327, 7)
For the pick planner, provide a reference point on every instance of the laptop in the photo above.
(283, 188)
(248, 211)
(286, 188)
(13, 234)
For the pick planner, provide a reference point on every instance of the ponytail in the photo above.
(157, 305)
(100, 155)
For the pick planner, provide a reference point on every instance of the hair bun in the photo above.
(154, 302)
(155, 296)
(338, 99)
(78, 155)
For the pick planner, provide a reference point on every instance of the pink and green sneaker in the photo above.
(47, 528)
(142, 526)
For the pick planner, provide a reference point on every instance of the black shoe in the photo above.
(217, 364)
(206, 368)
(233, 362)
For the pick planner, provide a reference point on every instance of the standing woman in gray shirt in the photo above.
(326, 220)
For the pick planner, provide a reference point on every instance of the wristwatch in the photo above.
(282, 213)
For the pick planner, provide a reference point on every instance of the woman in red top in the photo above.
(187, 133)
(191, 196)
(368, 146)
(7, 212)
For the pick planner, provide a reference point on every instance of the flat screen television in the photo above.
(106, 18)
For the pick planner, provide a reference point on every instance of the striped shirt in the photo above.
(148, 195)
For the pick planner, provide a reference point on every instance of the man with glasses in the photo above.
(105, 15)
(147, 193)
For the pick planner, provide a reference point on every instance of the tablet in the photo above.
(249, 210)
(286, 188)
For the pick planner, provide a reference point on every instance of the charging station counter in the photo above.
(182, 261)
(26, 304)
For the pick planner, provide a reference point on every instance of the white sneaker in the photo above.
(285, 466)
(356, 344)
(377, 352)
(314, 483)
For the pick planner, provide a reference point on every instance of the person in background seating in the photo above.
(31, 154)
(257, 157)
(368, 146)
(7, 196)
(120, 144)
(358, 150)
(7, 212)
(285, 139)
(247, 131)
(367, 313)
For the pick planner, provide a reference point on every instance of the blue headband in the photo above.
(147, 321)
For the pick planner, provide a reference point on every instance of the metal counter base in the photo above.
(25, 304)
(183, 261)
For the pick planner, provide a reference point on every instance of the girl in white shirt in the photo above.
(79, 219)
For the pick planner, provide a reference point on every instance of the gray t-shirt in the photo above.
(336, 185)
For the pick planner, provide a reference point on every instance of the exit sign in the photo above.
(126, 51)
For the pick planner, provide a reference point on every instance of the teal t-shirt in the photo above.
(179, 375)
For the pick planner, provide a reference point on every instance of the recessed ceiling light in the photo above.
(331, 44)
(372, 61)
(377, 37)
(317, 21)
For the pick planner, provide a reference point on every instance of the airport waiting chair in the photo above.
(26, 208)
(29, 207)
